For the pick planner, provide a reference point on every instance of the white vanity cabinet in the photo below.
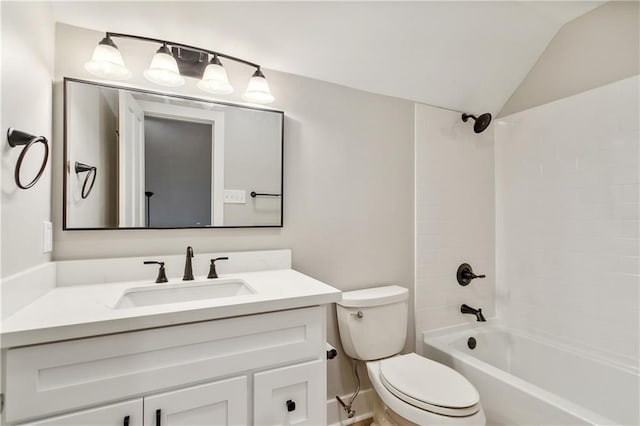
(285, 396)
(262, 369)
(128, 413)
(220, 403)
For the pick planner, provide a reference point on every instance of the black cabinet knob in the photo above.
(291, 405)
(158, 417)
(126, 421)
(332, 353)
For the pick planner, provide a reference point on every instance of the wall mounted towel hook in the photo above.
(91, 171)
(20, 138)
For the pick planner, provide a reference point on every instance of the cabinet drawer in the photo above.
(128, 413)
(292, 395)
(53, 378)
(220, 403)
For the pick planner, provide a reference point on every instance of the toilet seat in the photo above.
(429, 385)
(411, 412)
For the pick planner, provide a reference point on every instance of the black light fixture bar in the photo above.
(174, 61)
(183, 46)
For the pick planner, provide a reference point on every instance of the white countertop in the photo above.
(71, 312)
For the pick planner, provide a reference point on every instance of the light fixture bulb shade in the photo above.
(164, 69)
(258, 90)
(106, 62)
(215, 80)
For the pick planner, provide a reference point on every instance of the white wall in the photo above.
(567, 218)
(252, 162)
(348, 170)
(597, 48)
(454, 217)
(27, 42)
(92, 125)
(1, 154)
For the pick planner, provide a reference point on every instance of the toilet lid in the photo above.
(429, 385)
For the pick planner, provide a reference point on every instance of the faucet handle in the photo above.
(465, 274)
(162, 274)
(212, 267)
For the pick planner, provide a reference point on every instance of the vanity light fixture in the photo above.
(258, 89)
(107, 62)
(164, 69)
(215, 80)
(174, 61)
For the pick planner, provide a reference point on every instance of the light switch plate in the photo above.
(47, 237)
(235, 196)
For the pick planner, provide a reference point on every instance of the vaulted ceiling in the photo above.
(467, 56)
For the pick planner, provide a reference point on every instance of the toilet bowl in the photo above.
(411, 389)
(425, 392)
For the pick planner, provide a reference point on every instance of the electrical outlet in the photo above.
(47, 237)
(235, 196)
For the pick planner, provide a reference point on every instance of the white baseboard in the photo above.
(363, 406)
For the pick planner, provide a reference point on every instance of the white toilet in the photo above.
(413, 389)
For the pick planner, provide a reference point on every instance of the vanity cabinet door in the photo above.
(75, 374)
(293, 395)
(128, 413)
(213, 404)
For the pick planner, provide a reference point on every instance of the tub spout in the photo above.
(466, 309)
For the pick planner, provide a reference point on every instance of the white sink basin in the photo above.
(162, 294)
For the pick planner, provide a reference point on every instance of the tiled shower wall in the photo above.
(454, 217)
(567, 247)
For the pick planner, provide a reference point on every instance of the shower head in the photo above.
(481, 122)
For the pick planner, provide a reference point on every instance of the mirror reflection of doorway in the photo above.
(105, 127)
(178, 159)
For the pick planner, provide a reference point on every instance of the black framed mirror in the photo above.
(165, 161)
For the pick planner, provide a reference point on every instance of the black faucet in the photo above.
(162, 275)
(188, 269)
(465, 274)
(212, 268)
(466, 309)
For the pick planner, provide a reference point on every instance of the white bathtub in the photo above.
(526, 379)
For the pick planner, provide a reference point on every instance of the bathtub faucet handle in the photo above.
(465, 274)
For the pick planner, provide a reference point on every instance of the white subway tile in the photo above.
(454, 216)
(568, 218)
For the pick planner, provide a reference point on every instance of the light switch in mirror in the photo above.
(166, 161)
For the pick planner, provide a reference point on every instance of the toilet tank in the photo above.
(373, 322)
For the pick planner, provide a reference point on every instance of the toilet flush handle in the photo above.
(358, 314)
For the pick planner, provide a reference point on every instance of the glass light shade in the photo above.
(107, 62)
(164, 69)
(214, 80)
(258, 89)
